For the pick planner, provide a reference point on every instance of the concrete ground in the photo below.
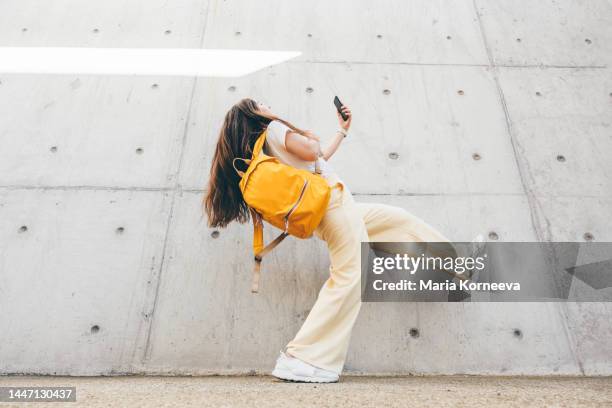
(263, 391)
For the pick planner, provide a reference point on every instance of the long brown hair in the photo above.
(243, 124)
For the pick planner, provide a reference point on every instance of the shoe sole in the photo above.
(287, 375)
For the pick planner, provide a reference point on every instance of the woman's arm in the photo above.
(333, 146)
(340, 135)
(307, 146)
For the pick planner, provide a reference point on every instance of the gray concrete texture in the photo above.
(107, 265)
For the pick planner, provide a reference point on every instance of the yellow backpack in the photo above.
(290, 199)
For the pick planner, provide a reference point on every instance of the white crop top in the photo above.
(275, 146)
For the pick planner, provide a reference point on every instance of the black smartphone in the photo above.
(339, 107)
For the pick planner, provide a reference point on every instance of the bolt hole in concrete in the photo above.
(476, 156)
(588, 236)
(309, 90)
(460, 92)
(139, 150)
(518, 40)
(215, 234)
(379, 36)
(588, 41)
(231, 88)
(309, 35)
(493, 236)
(23, 228)
(94, 329)
(237, 33)
(538, 93)
(154, 86)
(24, 29)
(414, 333)
(168, 32)
(95, 30)
(120, 230)
(561, 158)
(517, 333)
(393, 156)
(53, 149)
(448, 37)
(386, 91)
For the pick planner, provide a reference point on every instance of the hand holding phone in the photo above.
(339, 106)
(345, 116)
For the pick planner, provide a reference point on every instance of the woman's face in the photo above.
(263, 107)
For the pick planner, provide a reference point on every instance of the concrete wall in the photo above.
(106, 263)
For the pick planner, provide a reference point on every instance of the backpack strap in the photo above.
(259, 250)
(317, 165)
(240, 172)
(258, 147)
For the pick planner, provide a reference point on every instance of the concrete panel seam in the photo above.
(532, 201)
(181, 190)
(543, 66)
(515, 144)
(86, 188)
(458, 194)
(441, 64)
(177, 189)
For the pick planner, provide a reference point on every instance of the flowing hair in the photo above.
(242, 126)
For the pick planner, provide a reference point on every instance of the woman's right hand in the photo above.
(345, 124)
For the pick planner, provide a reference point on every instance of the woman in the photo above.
(318, 351)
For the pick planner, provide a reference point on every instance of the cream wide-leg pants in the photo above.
(323, 339)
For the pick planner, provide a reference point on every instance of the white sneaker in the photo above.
(293, 369)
